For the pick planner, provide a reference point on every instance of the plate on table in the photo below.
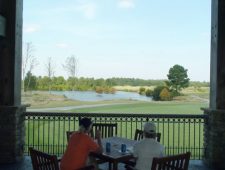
(124, 152)
(129, 150)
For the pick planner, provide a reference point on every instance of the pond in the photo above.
(93, 96)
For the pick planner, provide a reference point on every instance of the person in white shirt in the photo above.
(146, 149)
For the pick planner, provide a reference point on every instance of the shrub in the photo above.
(165, 95)
(156, 92)
(148, 92)
(113, 91)
(108, 89)
(99, 90)
(142, 91)
(174, 93)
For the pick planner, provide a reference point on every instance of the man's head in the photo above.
(149, 130)
(85, 124)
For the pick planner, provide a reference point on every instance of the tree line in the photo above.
(33, 82)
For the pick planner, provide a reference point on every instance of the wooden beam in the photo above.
(217, 66)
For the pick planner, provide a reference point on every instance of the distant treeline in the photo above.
(33, 82)
(134, 82)
(199, 84)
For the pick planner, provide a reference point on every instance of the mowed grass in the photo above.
(148, 108)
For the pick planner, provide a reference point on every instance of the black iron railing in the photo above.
(179, 133)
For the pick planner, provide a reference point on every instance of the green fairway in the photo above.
(148, 107)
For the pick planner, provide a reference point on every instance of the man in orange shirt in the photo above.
(79, 147)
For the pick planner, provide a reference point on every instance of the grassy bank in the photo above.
(44, 99)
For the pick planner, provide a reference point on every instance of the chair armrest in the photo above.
(128, 167)
(89, 167)
(59, 158)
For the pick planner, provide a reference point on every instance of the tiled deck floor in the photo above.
(26, 165)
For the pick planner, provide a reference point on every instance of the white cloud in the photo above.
(31, 28)
(62, 45)
(126, 3)
(88, 10)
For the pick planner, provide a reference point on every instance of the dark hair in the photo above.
(85, 122)
(150, 135)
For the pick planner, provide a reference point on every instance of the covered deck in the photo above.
(179, 133)
(25, 164)
(203, 135)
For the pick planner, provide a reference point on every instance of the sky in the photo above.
(120, 38)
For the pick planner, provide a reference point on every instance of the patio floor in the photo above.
(26, 165)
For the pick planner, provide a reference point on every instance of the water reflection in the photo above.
(93, 96)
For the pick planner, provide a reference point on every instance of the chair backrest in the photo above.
(175, 162)
(139, 134)
(107, 129)
(158, 136)
(68, 134)
(42, 161)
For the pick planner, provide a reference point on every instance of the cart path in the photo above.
(65, 108)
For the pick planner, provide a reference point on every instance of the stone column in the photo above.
(11, 111)
(214, 139)
(215, 125)
(12, 133)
